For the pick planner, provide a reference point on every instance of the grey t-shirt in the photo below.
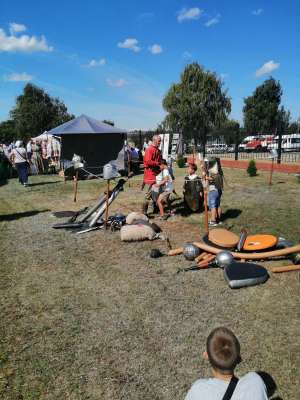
(20, 155)
(249, 387)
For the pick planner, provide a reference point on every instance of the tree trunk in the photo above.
(236, 147)
(195, 141)
(204, 142)
(279, 145)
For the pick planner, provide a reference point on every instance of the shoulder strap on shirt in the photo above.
(24, 158)
(230, 389)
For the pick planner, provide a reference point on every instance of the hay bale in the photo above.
(133, 216)
(132, 233)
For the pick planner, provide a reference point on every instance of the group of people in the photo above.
(158, 180)
(222, 346)
(34, 157)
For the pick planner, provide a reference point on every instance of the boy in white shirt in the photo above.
(163, 188)
(223, 354)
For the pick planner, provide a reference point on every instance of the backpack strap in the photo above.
(230, 389)
(24, 158)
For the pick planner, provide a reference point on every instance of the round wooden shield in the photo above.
(259, 242)
(223, 238)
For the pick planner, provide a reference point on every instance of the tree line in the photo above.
(197, 106)
(35, 112)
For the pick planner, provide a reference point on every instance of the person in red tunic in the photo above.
(152, 158)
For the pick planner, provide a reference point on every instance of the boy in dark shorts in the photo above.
(223, 354)
(215, 189)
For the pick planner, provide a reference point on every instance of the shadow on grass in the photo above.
(270, 384)
(12, 217)
(43, 183)
(231, 213)
(183, 210)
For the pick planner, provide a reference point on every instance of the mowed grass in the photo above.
(89, 317)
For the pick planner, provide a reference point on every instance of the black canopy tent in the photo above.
(98, 143)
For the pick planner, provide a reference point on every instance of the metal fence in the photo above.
(283, 148)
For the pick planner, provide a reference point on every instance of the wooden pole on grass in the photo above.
(75, 186)
(206, 229)
(205, 187)
(107, 200)
(128, 165)
(271, 172)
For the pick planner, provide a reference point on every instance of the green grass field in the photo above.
(90, 317)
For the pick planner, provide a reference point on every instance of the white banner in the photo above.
(165, 140)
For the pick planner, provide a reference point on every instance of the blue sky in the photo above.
(116, 59)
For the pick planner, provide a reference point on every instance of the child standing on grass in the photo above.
(162, 188)
(223, 354)
(193, 189)
(215, 188)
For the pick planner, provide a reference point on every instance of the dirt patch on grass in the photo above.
(89, 317)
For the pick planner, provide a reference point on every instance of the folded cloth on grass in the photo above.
(131, 233)
(133, 216)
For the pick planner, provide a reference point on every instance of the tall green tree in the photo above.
(196, 104)
(294, 127)
(229, 130)
(35, 112)
(7, 131)
(283, 120)
(262, 108)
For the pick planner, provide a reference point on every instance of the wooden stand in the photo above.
(128, 167)
(107, 199)
(75, 186)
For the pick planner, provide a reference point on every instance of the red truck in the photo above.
(259, 143)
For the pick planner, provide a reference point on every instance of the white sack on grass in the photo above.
(131, 233)
(133, 216)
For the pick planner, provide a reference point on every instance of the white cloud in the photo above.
(213, 21)
(267, 68)
(15, 77)
(97, 63)
(23, 43)
(189, 14)
(16, 28)
(116, 83)
(155, 49)
(186, 55)
(257, 12)
(131, 44)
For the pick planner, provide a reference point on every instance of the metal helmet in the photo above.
(190, 251)
(283, 243)
(224, 258)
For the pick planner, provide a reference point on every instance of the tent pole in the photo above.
(128, 167)
(107, 203)
(75, 186)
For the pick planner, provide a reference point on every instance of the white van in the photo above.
(289, 143)
(216, 148)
